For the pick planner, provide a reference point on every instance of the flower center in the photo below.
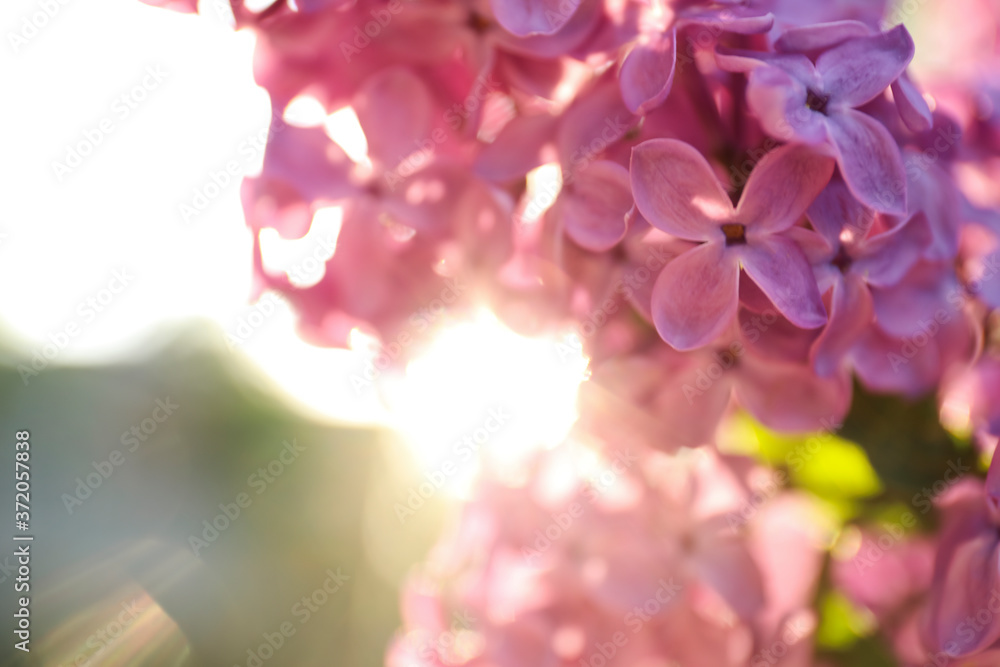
(842, 260)
(736, 234)
(817, 102)
(478, 23)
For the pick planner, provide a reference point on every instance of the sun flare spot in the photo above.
(304, 111)
(480, 394)
(344, 128)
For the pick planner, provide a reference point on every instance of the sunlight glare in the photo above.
(482, 394)
(303, 259)
(257, 6)
(543, 186)
(304, 111)
(314, 377)
(344, 128)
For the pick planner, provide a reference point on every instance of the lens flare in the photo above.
(481, 394)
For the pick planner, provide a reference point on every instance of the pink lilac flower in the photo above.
(873, 257)
(595, 194)
(924, 328)
(962, 617)
(813, 40)
(669, 399)
(554, 571)
(972, 392)
(696, 295)
(816, 103)
(889, 576)
(890, 570)
(525, 17)
(790, 14)
(761, 202)
(647, 71)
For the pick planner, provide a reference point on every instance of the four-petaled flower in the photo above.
(817, 103)
(696, 296)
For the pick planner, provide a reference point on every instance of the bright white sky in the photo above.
(64, 234)
(62, 239)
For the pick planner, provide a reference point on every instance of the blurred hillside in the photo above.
(129, 462)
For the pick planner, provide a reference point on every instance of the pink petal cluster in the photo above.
(760, 181)
(761, 203)
(645, 560)
(961, 618)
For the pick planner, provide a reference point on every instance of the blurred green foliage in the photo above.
(331, 508)
(889, 457)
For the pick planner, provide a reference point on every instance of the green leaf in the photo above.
(841, 624)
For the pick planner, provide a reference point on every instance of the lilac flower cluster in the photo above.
(758, 206)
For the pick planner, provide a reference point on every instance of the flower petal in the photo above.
(741, 60)
(595, 204)
(303, 170)
(394, 108)
(569, 36)
(786, 539)
(676, 190)
(695, 296)
(647, 73)
(533, 17)
(988, 286)
(778, 99)
(818, 251)
(932, 189)
(835, 209)
(911, 104)
(790, 397)
(889, 256)
(740, 20)
(856, 71)
(771, 336)
(851, 313)
(819, 36)
(723, 562)
(887, 364)
(738, 60)
(966, 579)
(926, 289)
(655, 397)
(427, 199)
(781, 187)
(519, 148)
(781, 271)
(993, 489)
(594, 122)
(647, 255)
(869, 160)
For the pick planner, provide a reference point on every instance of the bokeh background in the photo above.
(125, 274)
(140, 303)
